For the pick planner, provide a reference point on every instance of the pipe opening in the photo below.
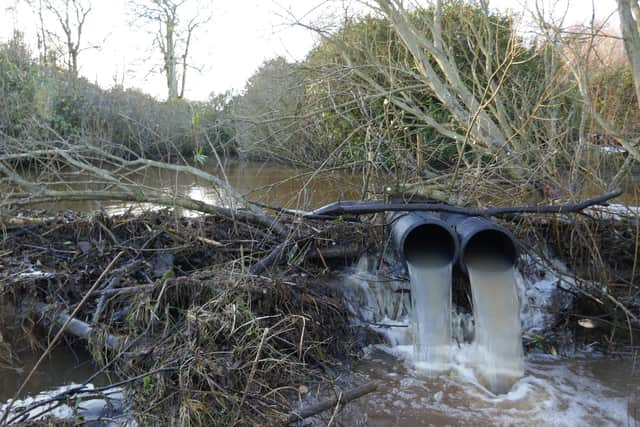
(490, 245)
(430, 244)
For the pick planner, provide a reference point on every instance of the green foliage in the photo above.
(24, 99)
(372, 45)
(269, 116)
(336, 100)
(45, 103)
(613, 90)
(199, 157)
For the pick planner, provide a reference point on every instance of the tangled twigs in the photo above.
(83, 391)
(55, 339)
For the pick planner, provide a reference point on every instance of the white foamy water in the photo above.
(430, 276)
(107, 411)
(499, 358)
(553, 391)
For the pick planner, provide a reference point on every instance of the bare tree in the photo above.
(71, 16)
(588, 54)
(485, 107)
(173, 36)
(629, 11)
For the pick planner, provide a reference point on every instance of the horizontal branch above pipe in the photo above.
(368, 207)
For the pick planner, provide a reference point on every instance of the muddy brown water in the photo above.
(560, 391)
(269, 183)
(577, 391)
(64, 366)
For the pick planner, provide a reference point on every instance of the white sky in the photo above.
(241, 35)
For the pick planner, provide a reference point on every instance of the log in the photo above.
(272, 258)
(348, 251)
(74, 327)
(341, 399)
(368, 207)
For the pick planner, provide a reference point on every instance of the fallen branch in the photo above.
(273, 257)
(346, 251)
(341, 399)
(361, 208)
(53, 196)
(73, 326)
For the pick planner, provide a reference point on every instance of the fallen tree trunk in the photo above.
(361, 208)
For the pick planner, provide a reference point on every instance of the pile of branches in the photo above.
(600, 250)
(174, 308)
(224, 319)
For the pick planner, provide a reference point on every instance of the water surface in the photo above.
(577, 391)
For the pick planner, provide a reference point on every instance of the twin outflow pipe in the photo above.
(455, 237)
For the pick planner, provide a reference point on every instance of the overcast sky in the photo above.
(240, 36)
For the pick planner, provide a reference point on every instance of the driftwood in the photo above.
(360, 208)
(341, 399)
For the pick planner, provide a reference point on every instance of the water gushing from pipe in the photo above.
(488, 253)
(430, 248)
(500, 359)
(430, 277)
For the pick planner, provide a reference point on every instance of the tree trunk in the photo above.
(629, 12)
(170, 65)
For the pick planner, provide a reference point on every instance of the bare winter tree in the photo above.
(588, 52)
(484, 114)
(173, 35)
(70, 16)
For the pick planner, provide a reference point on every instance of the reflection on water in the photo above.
(294, 188)
(553, 392)
(268, 183)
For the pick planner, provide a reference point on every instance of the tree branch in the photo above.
(361, 208)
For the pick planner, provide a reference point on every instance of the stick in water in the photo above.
(344, 398)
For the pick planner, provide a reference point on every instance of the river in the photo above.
(575, 389)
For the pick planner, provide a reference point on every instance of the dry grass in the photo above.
(224, 347)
